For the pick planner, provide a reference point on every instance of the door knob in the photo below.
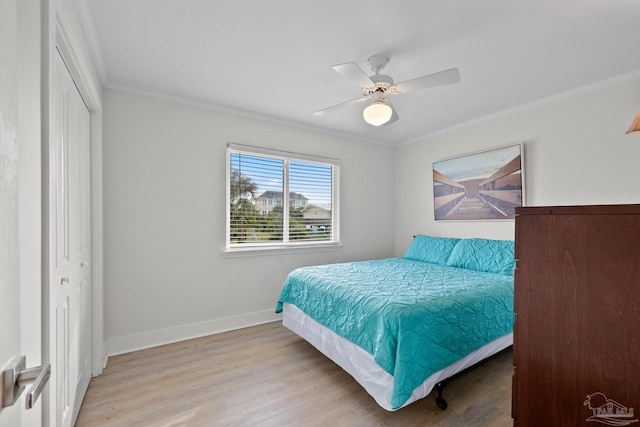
(14, 378)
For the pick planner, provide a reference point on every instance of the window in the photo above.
(260, 183)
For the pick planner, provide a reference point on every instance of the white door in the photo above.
(69, 204)
(20, 299)
(9, 248)
(68, 300)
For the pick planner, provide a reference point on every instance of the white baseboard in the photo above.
(129, 343)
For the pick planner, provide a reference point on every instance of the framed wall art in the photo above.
(488, 185)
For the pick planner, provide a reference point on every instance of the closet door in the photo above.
(70, 317)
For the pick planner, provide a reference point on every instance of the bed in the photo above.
(400, 326)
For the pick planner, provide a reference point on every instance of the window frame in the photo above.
(285, 245)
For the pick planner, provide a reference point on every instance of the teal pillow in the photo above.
(435, 250)
(491, 256)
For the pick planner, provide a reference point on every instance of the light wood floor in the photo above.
(268, 376)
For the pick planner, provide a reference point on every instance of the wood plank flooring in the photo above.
(268, 376)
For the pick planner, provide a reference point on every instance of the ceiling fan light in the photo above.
(635, 125)
(378, 113)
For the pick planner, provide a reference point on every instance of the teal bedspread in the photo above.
(413, 317)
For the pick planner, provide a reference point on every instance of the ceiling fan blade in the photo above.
(441, 78)
(339, 106)
(354, 73)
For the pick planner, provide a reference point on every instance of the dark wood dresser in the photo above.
(576, 351)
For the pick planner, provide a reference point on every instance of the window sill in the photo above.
(280, 249)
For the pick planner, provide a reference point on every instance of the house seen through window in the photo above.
(277, 198)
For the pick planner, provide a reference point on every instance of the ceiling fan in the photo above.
(378, 87)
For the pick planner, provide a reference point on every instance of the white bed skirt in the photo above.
(360, 364)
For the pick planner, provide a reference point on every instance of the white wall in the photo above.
(575, 149)
(166, 277)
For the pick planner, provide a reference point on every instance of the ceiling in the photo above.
(272, 60)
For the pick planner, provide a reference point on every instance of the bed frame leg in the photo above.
(440, 402)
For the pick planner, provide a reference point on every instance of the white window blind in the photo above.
(276, 198)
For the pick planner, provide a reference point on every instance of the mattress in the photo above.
(412, 318)
(361, 366)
